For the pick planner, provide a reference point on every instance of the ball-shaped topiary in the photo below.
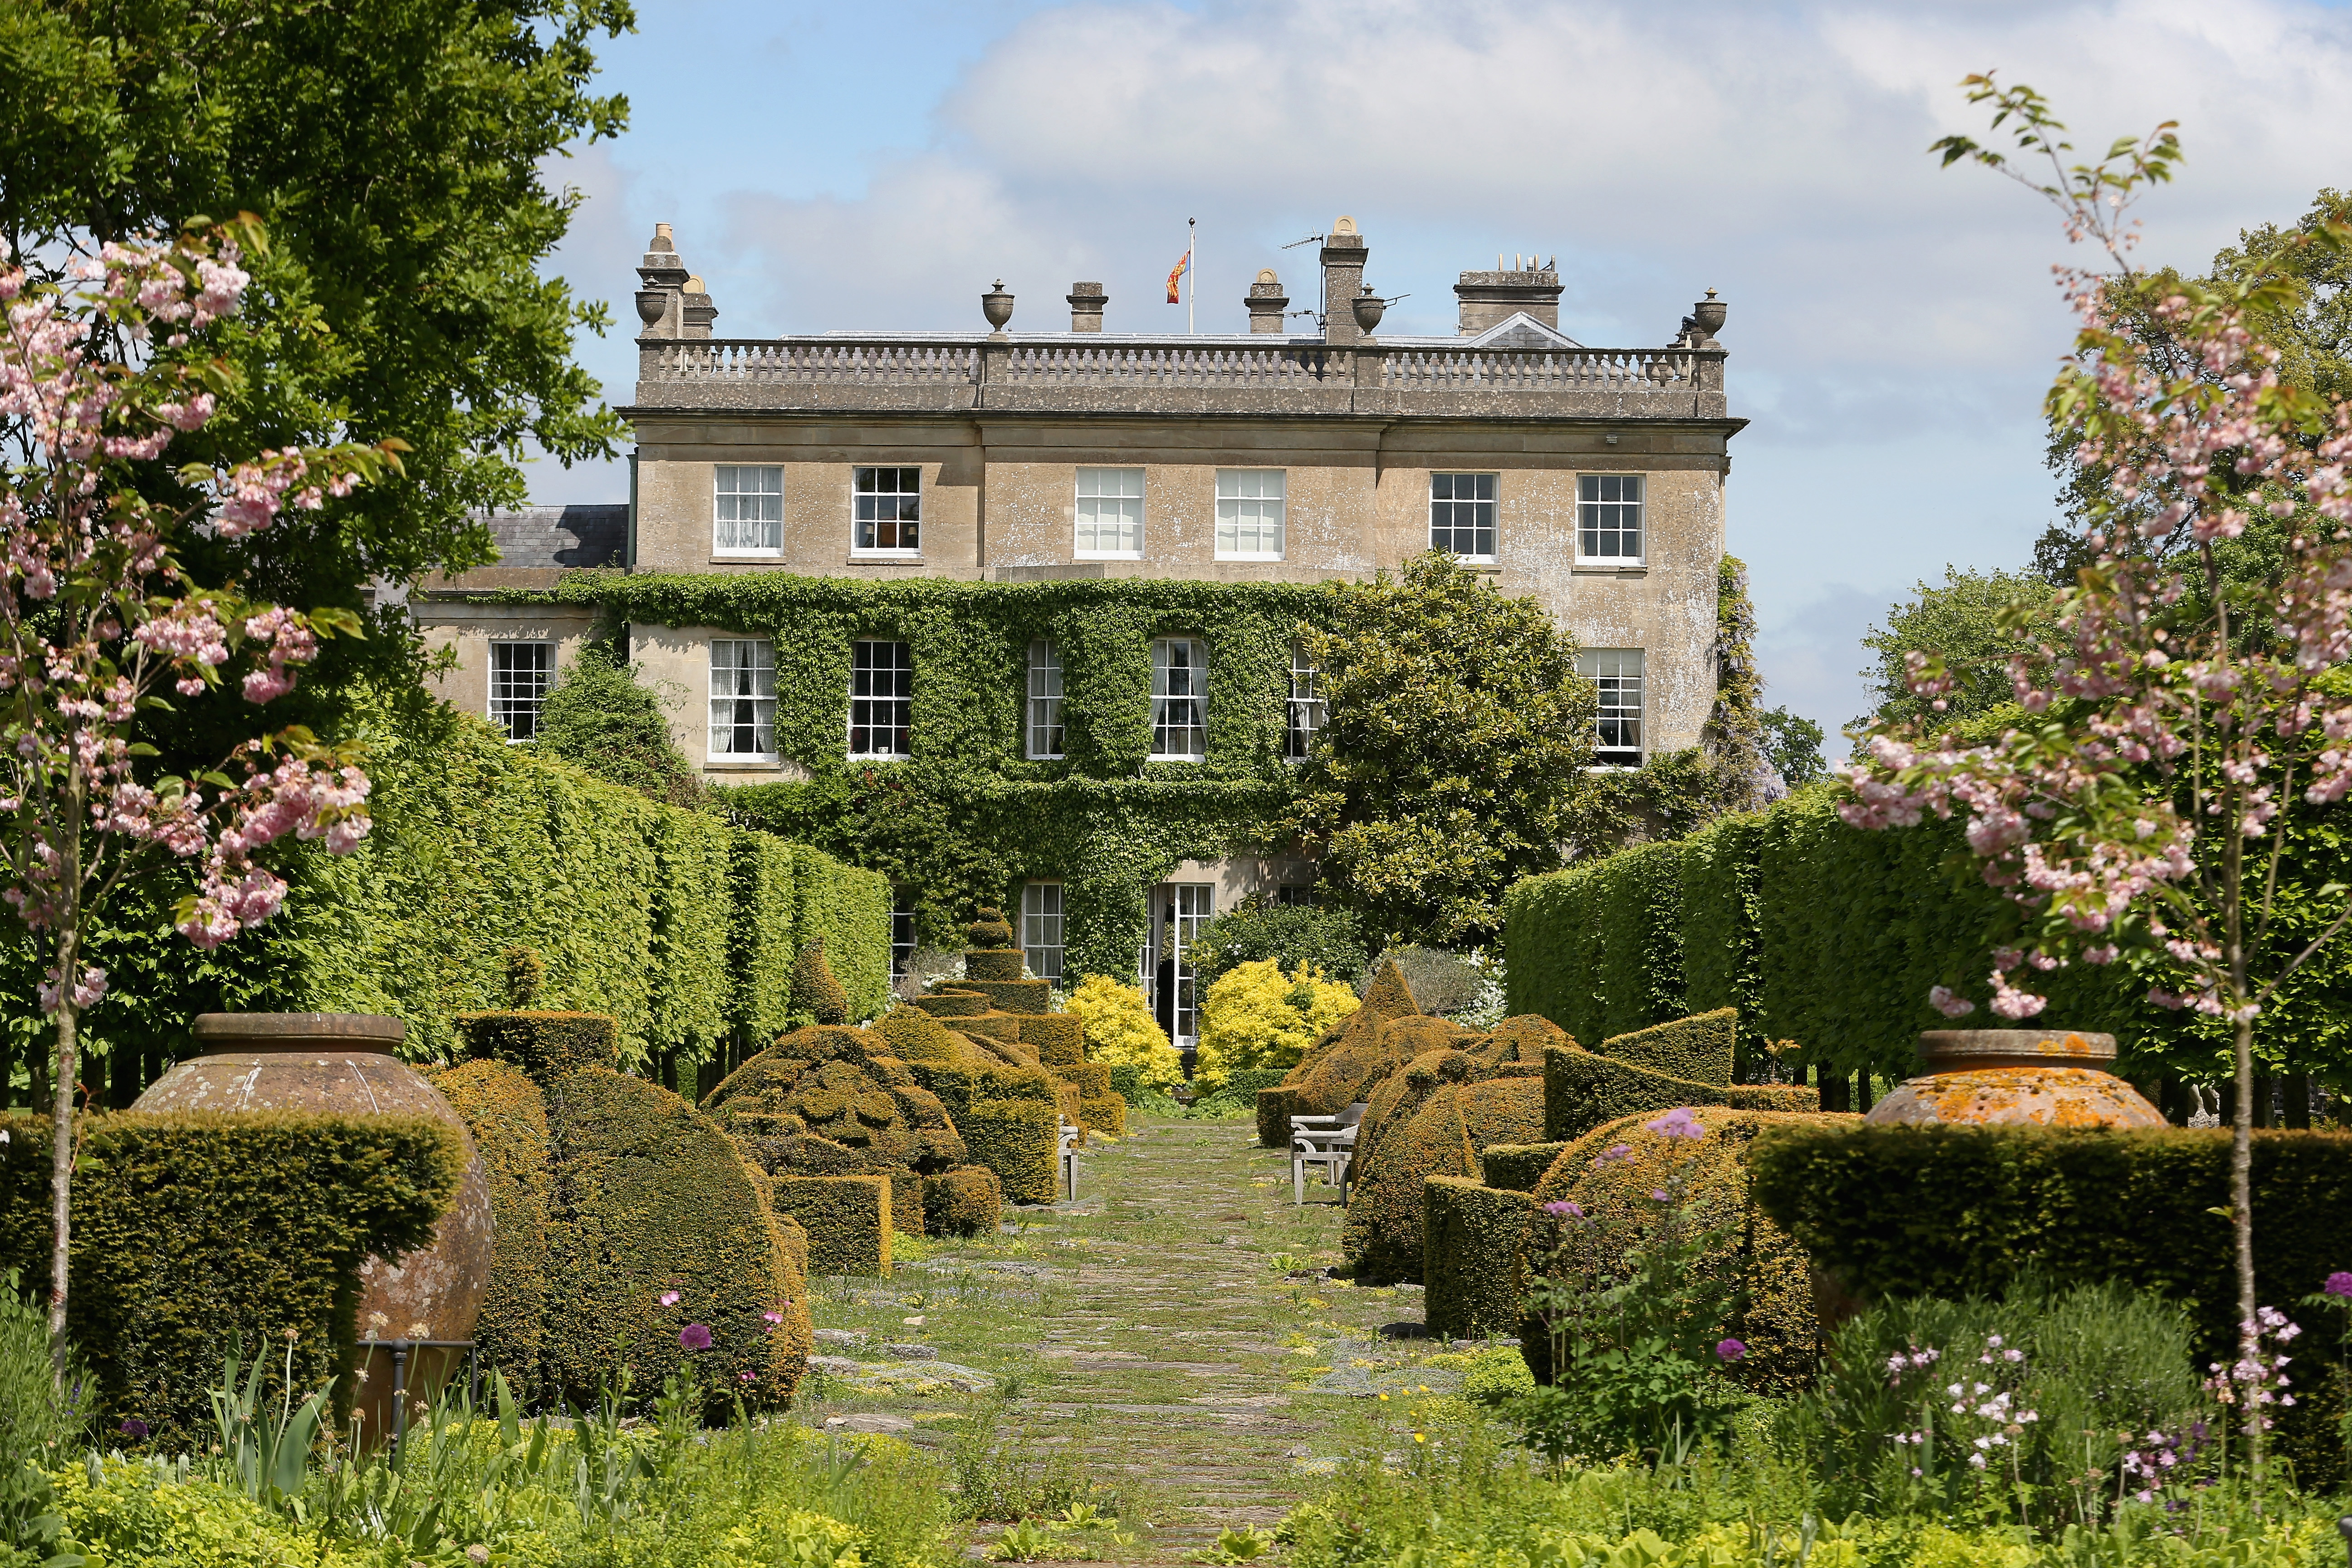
(649, 1198)
(1612, 1171)
(965, 1202)
(989, 930)
(507, 1117)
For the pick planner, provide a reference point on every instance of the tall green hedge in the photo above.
(197, 1235)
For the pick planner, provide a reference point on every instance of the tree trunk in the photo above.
(2241, 1221)
(61, 1163)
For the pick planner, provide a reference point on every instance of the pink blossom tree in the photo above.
(2136, 815)
(98, 373)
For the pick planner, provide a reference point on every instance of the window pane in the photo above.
(1110, 512)
(1045, 699)
(1461, 514)
(1306, 707)
(1609, 517)
(886, 509)
(902, 929)
(742, 697)
(1041, 928)
(1250, 512)
(1617, 672)
(1179, 689)
(519, 673)
(881, 700)
(748, 507)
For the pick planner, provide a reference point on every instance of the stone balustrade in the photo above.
(1181, 375)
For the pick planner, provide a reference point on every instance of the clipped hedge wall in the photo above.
(968, 1202)
(847, 1219)
(1474, 1269)
(763, 939)
(507, 1117)
(1582, 1091)
(1518, 1166)
(649, 1194)
(1698, 1049)
(1060, 1037)
(197, 1235)
(1443, 1135)
(544, 1046)
(1020, 1140)
(1955, 1211)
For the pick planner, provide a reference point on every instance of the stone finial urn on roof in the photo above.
(2007, 1078)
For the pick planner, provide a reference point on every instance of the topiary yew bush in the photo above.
(816, 995)
(1473, 1262)
(507, 1117)
(967, 1202)
(846, 1219)
(649, 1195)
(1696, 1049)
(546, 1045)
(1582, 1091)
(199, 1235)
(1020, 1140)
(1438, 1127)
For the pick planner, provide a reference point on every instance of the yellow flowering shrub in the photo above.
(1121, 1031)
(1255, 1017)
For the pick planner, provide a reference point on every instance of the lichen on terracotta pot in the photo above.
(2007, 1078)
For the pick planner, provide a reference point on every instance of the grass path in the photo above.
(1159, 1337)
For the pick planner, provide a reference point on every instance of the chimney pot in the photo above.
(1086, 302)
(1267, 302)
(695, 310)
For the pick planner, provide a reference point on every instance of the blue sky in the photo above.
(1892, 326)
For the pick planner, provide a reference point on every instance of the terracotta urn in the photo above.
(2009, 1078)
(342, 1064)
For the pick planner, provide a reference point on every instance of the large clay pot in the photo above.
(2006, 1078)
(342, 1064)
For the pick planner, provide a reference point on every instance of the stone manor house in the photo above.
(1308, 448)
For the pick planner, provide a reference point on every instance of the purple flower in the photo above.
(134, 1428)
(2339, 1283)
(1615, 1153)
(1658, 1195)
(1729, 1349)
(695, 1337)
(1565, 1210)
(1676, 1123)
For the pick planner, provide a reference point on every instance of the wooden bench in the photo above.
(1328, 1141)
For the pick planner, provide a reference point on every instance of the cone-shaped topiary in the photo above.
(1388, 995)
(525, 973)
(814, 990)
(507, 1117)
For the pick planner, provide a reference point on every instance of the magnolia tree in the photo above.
(2137, 817)
(99, 627)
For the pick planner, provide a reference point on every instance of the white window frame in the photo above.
(728, 497)
(859, 649)
(1047, 740)
(902, 930)
(1041, 928)
(1165, 698)
(1303, 711)
(1121, 490)
(1591, 497)
(858, 525)
(1243, 498)
(749, 660)
(1609, 668)
(1484, 487)
(505, 708)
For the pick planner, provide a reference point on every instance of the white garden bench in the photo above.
(1328, 1141)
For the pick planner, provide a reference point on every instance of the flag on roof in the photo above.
(1175, 275)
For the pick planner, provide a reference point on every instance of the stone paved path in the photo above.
(1166, 1332)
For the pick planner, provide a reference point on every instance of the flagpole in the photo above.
(1191, 273)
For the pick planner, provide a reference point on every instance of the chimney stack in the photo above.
(1343, 279)
(1267, 302)
(694, 307)
(1488, 299)
(662, 277)
(1086, 302)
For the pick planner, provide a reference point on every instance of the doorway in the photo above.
(1178, 911)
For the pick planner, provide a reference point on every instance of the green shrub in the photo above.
(1293, 936)
(1020, 1140)
(650, 1195)
(1496, 1374)
(848, 910)
(1274, 1105)
(847, 1219)
(816, 995)
(953, 1002)
(507, 1117)
(1473, 1268)
(1443, 982)
(1120, 1031)
(1059, 1038)
(1518, 1166)
(1105, 1114)
(1698, 1050)
(545, 1046)
(1964, 1211)
(1444, 1117)
(965, 1202)
(600, 717)
(197, 1235)
(1582, 1091)
(763, 951)
(1255, 1015)
(693, 934)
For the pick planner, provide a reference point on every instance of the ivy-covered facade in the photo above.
(1013, 617)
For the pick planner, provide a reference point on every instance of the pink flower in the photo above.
(695, 1337)
(1729, 1349)
(1565, 1210)
(1676, 1123)
(670, 1297)
(2338, 1284)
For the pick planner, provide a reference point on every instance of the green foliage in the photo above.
(544, 1045)
(1445, 984)
(1977, 620)
(1582, 1091)
(1696, 1048)
(196, 1234)
(1597, 949)
(1792, 747)
(1256, 1017)
(649, 1195)
(965, 1202)
(847, 1219)
(1496, 1374)
(1963, 1211)
(762, 951)
(506, 1115)
(1120, 1032)
(1019, 1141)
(1518, 1166)
(848, 912)
(814, 990)
(43, 1418)
(1295, 936)
(1473, 1269)
(1454, 753)
(598, 718)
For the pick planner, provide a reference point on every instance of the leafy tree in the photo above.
(1454, 753)
(1792, 747)
(599, 717)
(1963, 620)
(1295, 936)
(396, 150)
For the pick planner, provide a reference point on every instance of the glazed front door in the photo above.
(1179, 911)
